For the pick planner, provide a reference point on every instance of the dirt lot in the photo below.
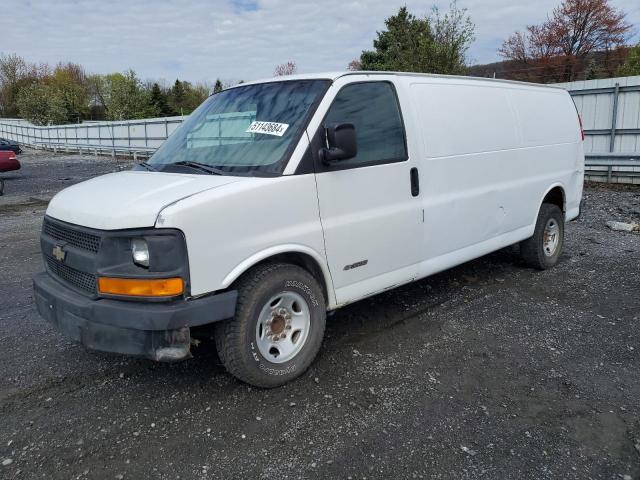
(490, 370)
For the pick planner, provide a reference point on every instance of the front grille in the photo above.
(83, 281)
(77, 238)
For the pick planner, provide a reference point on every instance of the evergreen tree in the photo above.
(434, 44)
(217, 88)
(159, 101)
(177, 98)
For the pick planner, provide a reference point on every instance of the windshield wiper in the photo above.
(148, 166)
(199, 166)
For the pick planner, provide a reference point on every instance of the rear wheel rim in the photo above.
(551, 237)
(283, 327)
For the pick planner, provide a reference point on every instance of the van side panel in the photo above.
(491, 152)
(469, 135)
(464, 119)
(552, 149)
(546, 116)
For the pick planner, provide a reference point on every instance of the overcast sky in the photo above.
(234, 39)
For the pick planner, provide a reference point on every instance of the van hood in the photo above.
(131, 199)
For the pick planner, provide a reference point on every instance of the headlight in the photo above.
(140, 252)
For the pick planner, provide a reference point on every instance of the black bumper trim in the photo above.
(134, 328)
(579, 210)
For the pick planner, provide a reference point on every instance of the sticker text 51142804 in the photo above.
(268, 128)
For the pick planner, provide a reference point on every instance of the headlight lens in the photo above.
(140, 252)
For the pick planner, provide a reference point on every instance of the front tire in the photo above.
(278, 326)
(543, 249)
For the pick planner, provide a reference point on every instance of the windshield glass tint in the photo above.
(251, 129)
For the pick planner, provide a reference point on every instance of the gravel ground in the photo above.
(43, 174)
(489, 370)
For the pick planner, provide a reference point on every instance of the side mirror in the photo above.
(341, 138)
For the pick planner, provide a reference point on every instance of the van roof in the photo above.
(335, 75)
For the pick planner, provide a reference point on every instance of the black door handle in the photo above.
(415, 182)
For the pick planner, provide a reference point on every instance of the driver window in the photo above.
(373, 108)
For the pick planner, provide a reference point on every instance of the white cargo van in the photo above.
(279, 200)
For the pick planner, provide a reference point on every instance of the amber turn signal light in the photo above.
(137, 287)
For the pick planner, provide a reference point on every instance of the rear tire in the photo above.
(544, 248)
(278, 326)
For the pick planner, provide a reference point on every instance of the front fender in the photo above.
(267, 253)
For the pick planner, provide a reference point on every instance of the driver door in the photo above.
(371, 215)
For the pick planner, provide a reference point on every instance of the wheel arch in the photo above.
(556, 195)
(300, 255)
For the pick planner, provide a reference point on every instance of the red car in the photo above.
(8, 163)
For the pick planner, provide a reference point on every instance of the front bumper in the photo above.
(159, 331)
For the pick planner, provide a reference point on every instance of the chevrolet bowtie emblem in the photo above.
(59, 253)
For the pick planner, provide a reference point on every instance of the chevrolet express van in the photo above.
(277, 201)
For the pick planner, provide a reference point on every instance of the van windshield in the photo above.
(249, 130)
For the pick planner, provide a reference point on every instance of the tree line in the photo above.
(581, 39)
(67, 94)
(435, 43)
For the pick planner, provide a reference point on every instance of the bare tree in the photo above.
(578, 27)
(12, 68)
(355, 65)
(575, 29)
(453, 34)
(283, 69)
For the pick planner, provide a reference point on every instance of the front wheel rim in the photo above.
(283, 327)
(551, 237)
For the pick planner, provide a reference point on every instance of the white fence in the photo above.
(610, 111)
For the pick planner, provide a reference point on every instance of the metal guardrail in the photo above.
(98, 149)
(101, 138)
(623, 165)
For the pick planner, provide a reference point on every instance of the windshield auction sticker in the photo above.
(268, 128)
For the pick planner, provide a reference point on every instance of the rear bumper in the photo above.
(159, 331)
